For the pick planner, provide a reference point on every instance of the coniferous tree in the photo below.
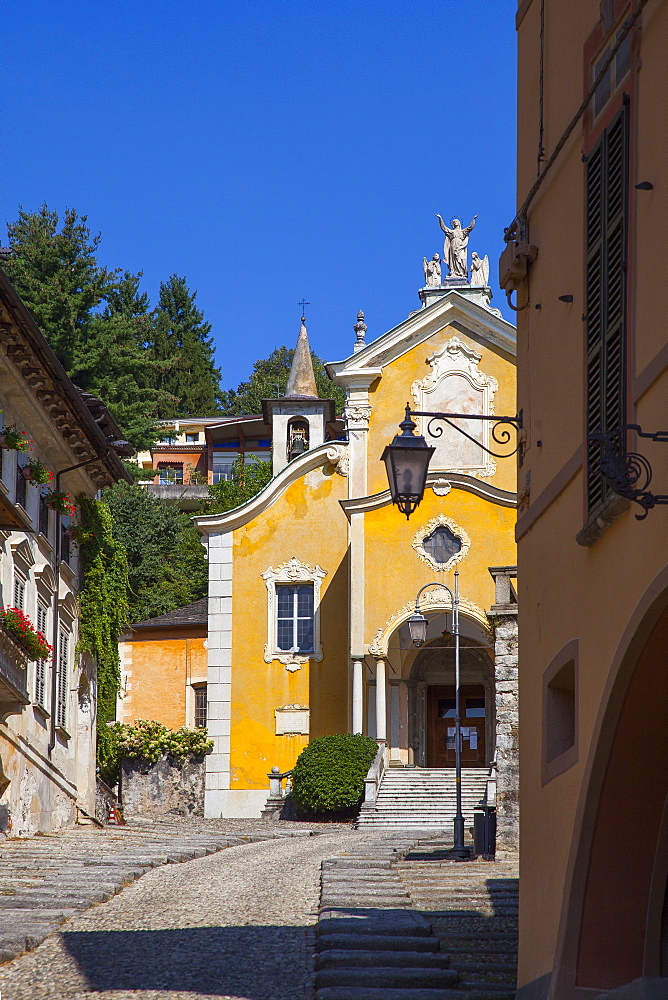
(181, 335)
(114, 362)
(55, 271)
(269, 380)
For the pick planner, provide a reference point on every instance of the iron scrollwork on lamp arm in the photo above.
(628, 473)
(500, 428)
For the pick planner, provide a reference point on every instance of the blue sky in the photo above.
(267, 150)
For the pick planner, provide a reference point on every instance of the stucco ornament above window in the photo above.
(293, 619)
(441, 543)
(456, 385)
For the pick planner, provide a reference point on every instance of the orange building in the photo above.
(585, 263)
(164, 667)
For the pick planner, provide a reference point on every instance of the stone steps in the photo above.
(372, 945)
(423, 799)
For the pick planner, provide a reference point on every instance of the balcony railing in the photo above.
(13, 676)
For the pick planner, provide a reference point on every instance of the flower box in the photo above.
(61, 502)
(37, 473)
(14, 440)
(19, 627)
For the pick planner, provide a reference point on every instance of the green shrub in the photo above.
(328, 778)
(146, 740)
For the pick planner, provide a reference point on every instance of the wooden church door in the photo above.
(441, 725)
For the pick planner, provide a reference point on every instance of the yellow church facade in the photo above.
(312, 581)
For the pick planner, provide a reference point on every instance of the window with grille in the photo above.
(19, 592)
(21, 486)
(606, 277)
(40, 665)
(171, 475)
(61, 678)
(200, 706)
(295, 618)
(442, 544)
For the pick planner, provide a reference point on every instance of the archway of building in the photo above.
(422, 695)
(615, 926)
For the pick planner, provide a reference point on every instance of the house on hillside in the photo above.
(47, 717)
(311, 582)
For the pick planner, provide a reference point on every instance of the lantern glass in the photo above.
(417, 627)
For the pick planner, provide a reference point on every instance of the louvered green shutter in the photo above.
(606, 220)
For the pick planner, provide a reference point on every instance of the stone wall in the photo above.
(168, 787)
(507, 725)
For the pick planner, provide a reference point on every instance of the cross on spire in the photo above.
(303, 305)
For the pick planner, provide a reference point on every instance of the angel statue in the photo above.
(479, 271)
(432, 271)
(454, 247)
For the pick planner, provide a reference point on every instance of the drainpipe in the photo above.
(56, 629)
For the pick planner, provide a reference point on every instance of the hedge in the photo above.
(328, 778)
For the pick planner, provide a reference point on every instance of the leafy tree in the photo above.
(269, 380)
(246, 482)
(181, 336)
(114, 362)
(167, 566)
(55, 271)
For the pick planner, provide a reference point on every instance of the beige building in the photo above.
(586, 266)
(47, 707)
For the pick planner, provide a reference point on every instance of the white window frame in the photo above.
(292, 572)
(40, 665)
(62, 678)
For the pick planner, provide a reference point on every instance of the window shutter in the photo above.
(606, 222)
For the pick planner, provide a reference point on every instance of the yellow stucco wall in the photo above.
(159, 668)
(394, 572)
(306, 522)
(389, 395)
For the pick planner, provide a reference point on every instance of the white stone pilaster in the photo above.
(219, 677)
(381, 702)
(357, 696)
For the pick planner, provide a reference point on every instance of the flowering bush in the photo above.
(37, 473)
(148, 741)
(62, 502)
(22, 630)
(14, 440)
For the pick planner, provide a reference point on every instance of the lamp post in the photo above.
(417, 627)
(407, 458)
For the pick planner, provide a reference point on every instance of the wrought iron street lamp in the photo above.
(407, 458)
(417, 627)
(407, 463)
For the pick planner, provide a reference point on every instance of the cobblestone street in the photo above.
(119, 917)
(237, 924)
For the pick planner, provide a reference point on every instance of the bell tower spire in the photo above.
(299, 419)
(302, 377)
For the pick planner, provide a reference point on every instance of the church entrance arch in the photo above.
(432, 713)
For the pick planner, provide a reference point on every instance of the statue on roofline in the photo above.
(432, 271)
(479, 271)
(454, 247)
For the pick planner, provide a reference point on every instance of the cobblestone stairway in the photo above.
(400, 924)
(423, 798)
(46, 879)
(472, 908)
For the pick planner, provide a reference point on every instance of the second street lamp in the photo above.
(417, 627)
